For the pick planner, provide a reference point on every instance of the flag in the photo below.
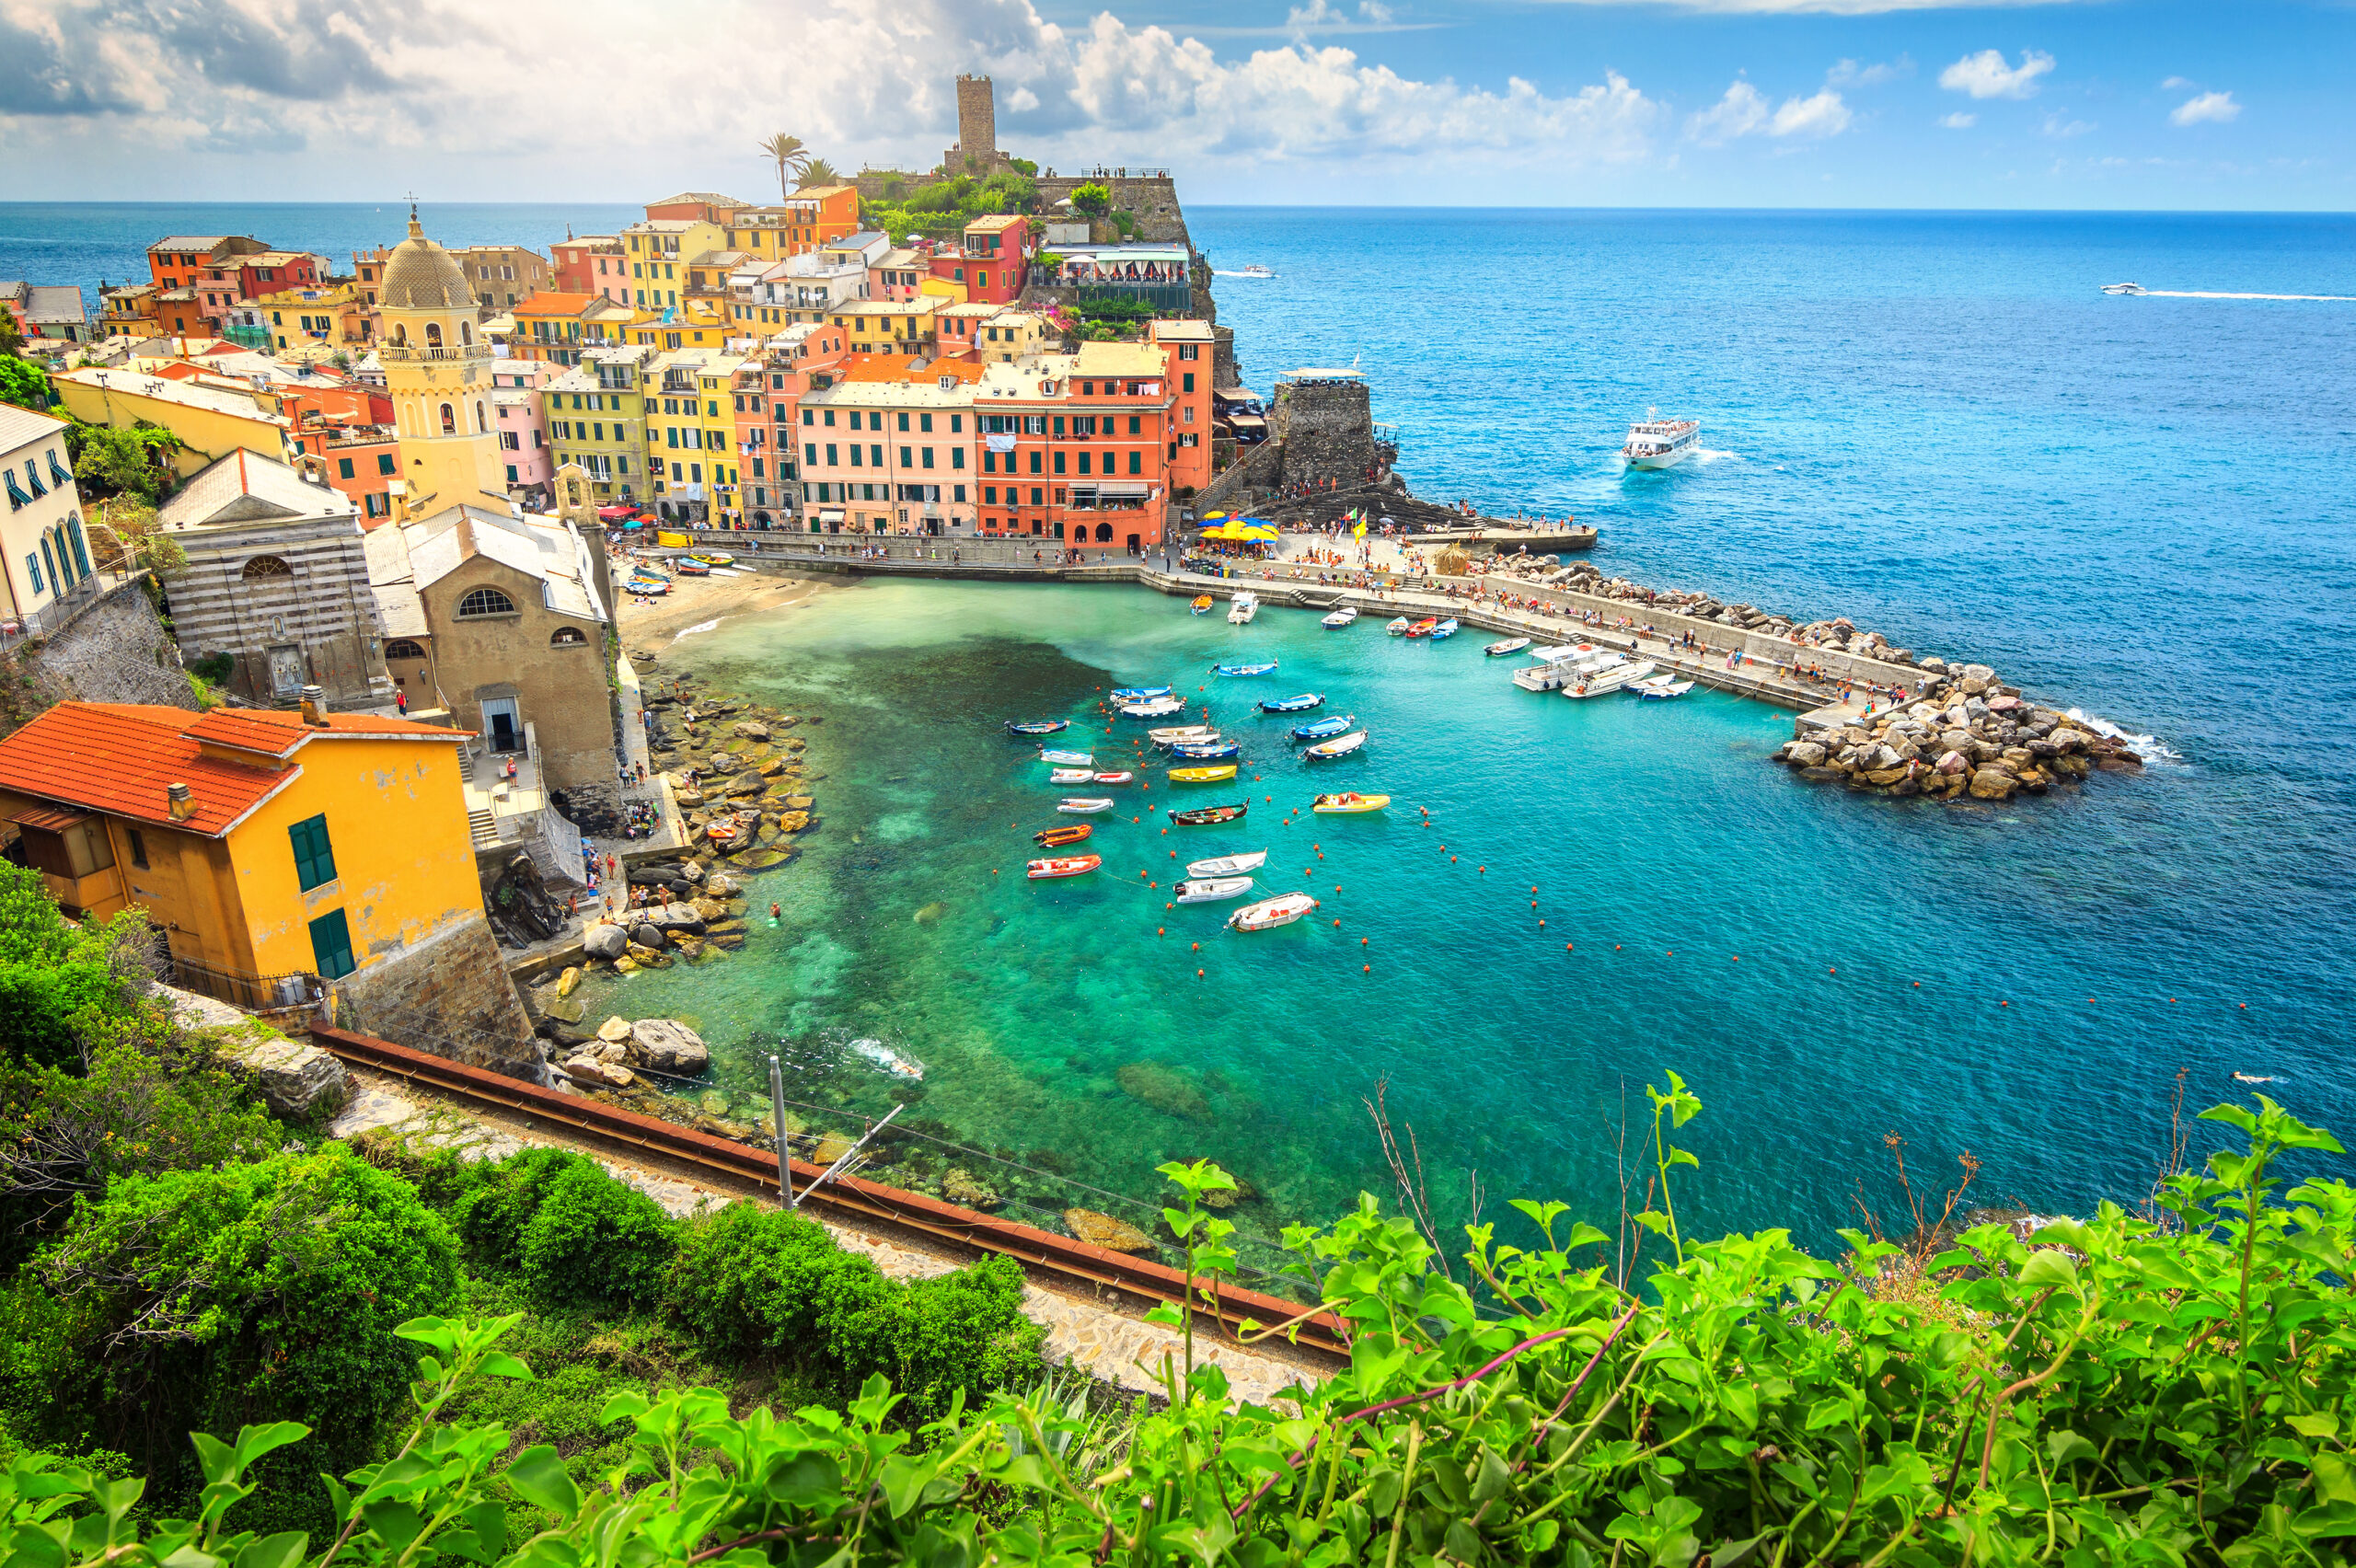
(1359, 532)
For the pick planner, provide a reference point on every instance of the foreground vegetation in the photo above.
(2167, 1386)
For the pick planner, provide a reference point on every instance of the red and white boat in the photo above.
(1116, 777)
(1063, 866)
(1270, 913)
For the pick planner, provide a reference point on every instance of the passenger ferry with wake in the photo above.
(1656, 442)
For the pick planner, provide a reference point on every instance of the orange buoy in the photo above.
(2003, 1004)
(993, 870)
(1366, 968)
(1484, 871)
(1830, 970)
(1198, 975)
(1198, 947)
(1737, 958)
(1566, 947)
(1337, 922)
(1157, 884)
(1362, 941)
(1451, 859)
(2244, 1007)
(1918, 985)
(1158, 930)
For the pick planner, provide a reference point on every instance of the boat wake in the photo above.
(700, 626)
(1712, 454)
(2151, 748)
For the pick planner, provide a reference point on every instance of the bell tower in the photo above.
(437, 370)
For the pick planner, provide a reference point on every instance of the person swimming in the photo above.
(775, 913)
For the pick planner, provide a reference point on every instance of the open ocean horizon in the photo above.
(1933, 422)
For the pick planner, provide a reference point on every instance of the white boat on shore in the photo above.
(1656, 442)
(1610, 679)
(1341, 617)
(1228, 865)
(1245, 605)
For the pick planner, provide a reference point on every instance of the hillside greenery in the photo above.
(394, 1356)
(941, 209)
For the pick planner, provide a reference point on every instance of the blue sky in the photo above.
(2149, 104)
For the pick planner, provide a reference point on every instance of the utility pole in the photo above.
(776, 1115)
(848, 1156)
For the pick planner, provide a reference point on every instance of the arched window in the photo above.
(1104, 532)
(402, 647)
(481, 425)
(400, 335)
(265, 565)
(567, 637)
(466, 332)
(433, 334)
(486, 601)
(450, 420)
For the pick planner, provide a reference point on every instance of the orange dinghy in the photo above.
(1063, 866)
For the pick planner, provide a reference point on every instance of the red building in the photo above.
(174, 262)
(1075, 449)
(1190, 348)
(995, 261)
(272, 271)
(592, 264)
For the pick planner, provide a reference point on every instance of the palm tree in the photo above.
(789, 156)
(818, 171)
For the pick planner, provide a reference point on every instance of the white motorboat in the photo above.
(1213, 890)
(1228, 865)
(1270, 913)
(1652, 693)
(2123, 289)
(1243, 608)
(1510, 645)
(1181, 735)
(1398, 628)
(1081, 805)
(1650, 682)
(1656, 442)
(1609, 679)
(1072, 776)
(1576, 665)
(1341, 745)
(1341, 617)
(1255, 269)
(1159, 708)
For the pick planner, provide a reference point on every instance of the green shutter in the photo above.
(314, 856)
(331, 945)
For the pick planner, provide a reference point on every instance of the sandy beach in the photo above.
(695, 601)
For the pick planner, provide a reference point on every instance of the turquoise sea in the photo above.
(1933, 422)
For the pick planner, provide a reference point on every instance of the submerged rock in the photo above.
(1104, 1230)
(931, 913)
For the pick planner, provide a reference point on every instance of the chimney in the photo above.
(178, 805)
(315, 708)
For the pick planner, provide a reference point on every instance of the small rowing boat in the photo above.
(1213, 890)
(713, 558)
(1340, 617)
(1228, 865)
(1202, 605)
(1207, 751)
(1156, 707)
(1424, 627)
(687, 566)
(1398, 627)
(1510, 645)
(1351, 803)
(1270, 913)
(1301, 704)
(649, 585)
(1448, 628)
(1324, 728)
(1340, 746)
(1081, 805)
(1209, 815)
(721, 832)
(1037, 726)
(1218, 773)
(1063, 866)
(1057, 837)
(1068, 758)
(1243, 669)
(1657, 693)
(1072, 776)
(1139, 694)
(1178, 733)
(1123, 777)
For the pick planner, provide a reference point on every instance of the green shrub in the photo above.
(216, 669)
(62, 986)
(596, 1238)
(750, 1279)
(491, 1203)
(932, 1337)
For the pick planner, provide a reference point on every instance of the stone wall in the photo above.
(449, 995)
(1327, 429)
(115, 650)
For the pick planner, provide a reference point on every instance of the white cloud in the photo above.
(422, 90)
(2061, 125)
(2173, 83)
(1985, 75)
(1743, 111)
(1959, 121)
(1821, 8)
(1848, 73)
(2215, 109)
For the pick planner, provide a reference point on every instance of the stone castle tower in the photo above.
(437, 368)
(976, 145)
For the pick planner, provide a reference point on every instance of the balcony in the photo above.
(414, 352)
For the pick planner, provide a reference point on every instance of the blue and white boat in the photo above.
(1301, 704)
(1068, 758)
(1037, 726)
(1342, 746)
(1445, 628)
(1324, 728)
(1140, 693)
(1244, 669)
(1207, 751)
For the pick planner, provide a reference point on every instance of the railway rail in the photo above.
(1060, 1259)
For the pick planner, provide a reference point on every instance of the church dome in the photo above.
(421, 275)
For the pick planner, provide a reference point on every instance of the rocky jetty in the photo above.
(1837, 635)
(1967, 736)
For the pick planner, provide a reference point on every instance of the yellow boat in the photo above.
(1225, 770)
(1350, 803)
(671, 541)
(713, 558)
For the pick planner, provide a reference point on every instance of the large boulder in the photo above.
(1993, 784)
(1953, 764)
(670, 918)
(666, 1045)
(605, 941)
(298, 1082)
(1805, 754)
(1104, 1230)
(614, 1029)
(751, 729)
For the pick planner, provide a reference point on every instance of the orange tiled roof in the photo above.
(118, 757)
(871, 368)
(549, 303)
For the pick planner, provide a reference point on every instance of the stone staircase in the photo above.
(483, 829)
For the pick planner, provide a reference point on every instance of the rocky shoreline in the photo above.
(1965, 735)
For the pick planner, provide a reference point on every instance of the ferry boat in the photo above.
(1241, 610)
(1656, 442)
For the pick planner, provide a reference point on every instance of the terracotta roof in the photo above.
(118, 757)
(546, 301)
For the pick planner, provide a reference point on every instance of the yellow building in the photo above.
(437, 368)
(659, 253)
(211, 422)
(691, 432)
(889, 326)
(596, 417)
(698, 324)
(323, 316)
(267, 847)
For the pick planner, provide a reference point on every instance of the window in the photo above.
(343, 468)
(1059, 461)
(314, 856)
(1188, 380)
(486, 601)
(331, 946)
(265, 565)
(1136, 460)
(1137, 425)
(567, 637)
(450, 420)
(385, 463)
(138, 847)
(402, 647)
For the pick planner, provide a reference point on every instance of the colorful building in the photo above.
(1074, 447)
(994, 259)
(437, 369)
(1190, 348)
(809, 218)
(591, 264)
(271, 848)
(595, 416)
(696, 206)
(889, 326)
(660, 252)
(691, 432)
(335, 316)
(500, 275)
(521, 422)
(176, 261)
(891, 454)
(211, 422)
(45, 558)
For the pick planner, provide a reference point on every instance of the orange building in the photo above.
(1190, 348)
(1075, 449)
(815, 216)
(696, 206)
(176, 261)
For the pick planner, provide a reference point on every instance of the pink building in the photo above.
(523, 429)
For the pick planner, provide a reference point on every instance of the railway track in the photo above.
(1060, 1259)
